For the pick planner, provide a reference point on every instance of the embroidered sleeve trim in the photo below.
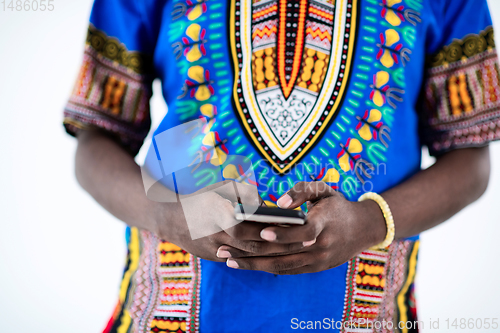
(463, 49)
(462, 103)
(113, 49)
(110, 94)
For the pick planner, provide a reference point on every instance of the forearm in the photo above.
(111, 176)
(434, 195)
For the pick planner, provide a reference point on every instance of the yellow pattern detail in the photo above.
(412, 267)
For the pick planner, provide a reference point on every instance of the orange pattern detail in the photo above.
(287, 85)
(264, 12)
(114, 90)
(320, 13)
(318, 32)
(265, 31)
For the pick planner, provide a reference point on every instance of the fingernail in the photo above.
(268, 235)
(223, 254)
(285, 201)
(309, 243)
(232, 263)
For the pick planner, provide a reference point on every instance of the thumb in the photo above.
(303, 192)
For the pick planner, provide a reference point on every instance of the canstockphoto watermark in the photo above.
(332, 324)
(431, 324)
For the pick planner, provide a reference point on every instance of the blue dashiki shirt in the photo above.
(342, 91)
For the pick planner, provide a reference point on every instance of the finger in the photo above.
(267, 249)
(294, 234)
(275, 265)
(246, 231)
(303, 192)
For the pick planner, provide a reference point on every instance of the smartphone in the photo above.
(269, 215)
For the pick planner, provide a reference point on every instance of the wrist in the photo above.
(371, 223)
(165, 217)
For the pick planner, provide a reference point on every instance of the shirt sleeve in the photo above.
(461, 95)
(114, 85)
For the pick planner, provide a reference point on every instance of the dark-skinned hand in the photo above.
(336, 230)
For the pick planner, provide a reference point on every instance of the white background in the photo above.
(62, 255)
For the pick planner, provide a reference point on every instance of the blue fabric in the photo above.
(248, 301)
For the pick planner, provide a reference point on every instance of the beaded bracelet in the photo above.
(389, 220)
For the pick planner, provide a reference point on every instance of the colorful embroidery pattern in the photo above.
(462, 95)
(112, 49)
(121, 320)
(110, 93)
(463, 49)
(298, 73)
(377, 282)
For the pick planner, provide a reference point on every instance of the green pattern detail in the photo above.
(398, 75)
(354, 103)
(209, 179)
(348, 180)
(241, 149)
(215, 46)
(186, 109)
(360, 85)
(347, 121)
(370, 40)
(280, 188)
(214, 6)
(371, 10)
(315, 159)
(232, 132)
(271, 182)
(336, 135)
(227, 123)
(215, 16)
(222, 82)
(235, 141)
(368, 49)
(369, 29)
(371, 19)
(350, 111)
(298, 174)
(176, 31)
(388, 115)
(357, 93)
(221, 73)
(375, 152)
(324, 152)
(330, 143)
(215, 26)
(415, 4)
(362, 76)
(263, 173)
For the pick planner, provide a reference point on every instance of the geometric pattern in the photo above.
(462, 97)
(378, 287)
(291, 71)
(111, 94)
